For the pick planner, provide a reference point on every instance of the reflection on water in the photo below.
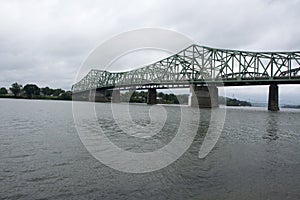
(42, 157)
(271, 127)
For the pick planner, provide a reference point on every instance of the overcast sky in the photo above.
(45, 42)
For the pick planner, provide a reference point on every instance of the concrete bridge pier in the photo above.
(100, 96)
(91, 95)
(116, 96)
(273, 97)
(204, 96)
(86, 95)
(151, 96)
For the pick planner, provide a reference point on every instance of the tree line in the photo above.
(233, 102)
(141, 97)
(32, 91)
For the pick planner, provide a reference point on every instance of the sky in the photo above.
(45, 41)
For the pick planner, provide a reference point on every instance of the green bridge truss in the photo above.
(202, 65)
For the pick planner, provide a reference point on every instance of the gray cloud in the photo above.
(45, 42)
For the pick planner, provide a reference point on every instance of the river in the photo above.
(42, 157)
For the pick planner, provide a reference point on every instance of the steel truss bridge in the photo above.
(201, 68)
(202, 65)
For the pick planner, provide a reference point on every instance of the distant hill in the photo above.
(290, 106)
(233, 102)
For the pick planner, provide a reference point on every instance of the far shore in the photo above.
(35, 98)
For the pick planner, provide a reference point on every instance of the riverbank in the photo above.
(37, 97)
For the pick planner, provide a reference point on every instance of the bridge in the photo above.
(200, 68)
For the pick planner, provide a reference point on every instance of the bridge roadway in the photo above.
(202, 69)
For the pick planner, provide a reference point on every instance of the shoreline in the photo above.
(35, 98)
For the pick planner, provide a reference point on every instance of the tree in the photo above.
(160, 94)
(47, 91)
(16, 89)
(235, 102)
(3, 90)
(66, 96)
(57, 92)
(31, 89)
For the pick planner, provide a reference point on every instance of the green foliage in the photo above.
(141, 97)
(3, 91)
(47, 91)
(167, 98)
(235, 102)
(58, 92)
(31, 90)
(16, 89)
(66, 96)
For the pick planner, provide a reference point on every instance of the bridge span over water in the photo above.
(202, 69)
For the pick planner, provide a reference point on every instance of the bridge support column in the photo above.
(100, 96)
(273, 97)
(203, 96)
(91, 95)
(116, 96)
(151, 96)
